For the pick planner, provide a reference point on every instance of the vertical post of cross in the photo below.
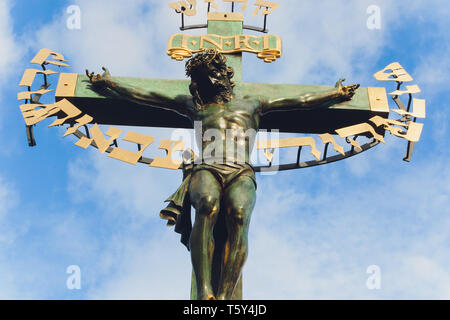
(228, 24)
(224, 24)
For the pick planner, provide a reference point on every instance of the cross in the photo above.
(225, 30)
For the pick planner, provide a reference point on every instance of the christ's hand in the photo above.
(347, 92)
(99, 81)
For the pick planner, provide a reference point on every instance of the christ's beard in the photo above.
(217, 93)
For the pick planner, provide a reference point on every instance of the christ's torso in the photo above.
(228, 130)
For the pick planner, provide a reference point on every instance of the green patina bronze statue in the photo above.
(221, 183)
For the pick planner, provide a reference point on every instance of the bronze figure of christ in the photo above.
(223, 184)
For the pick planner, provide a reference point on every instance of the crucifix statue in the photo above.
(226, 114)
(225, 183)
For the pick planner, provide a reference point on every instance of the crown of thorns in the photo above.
(205, 59)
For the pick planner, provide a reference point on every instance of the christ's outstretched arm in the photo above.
(180, 104)
(311, 100)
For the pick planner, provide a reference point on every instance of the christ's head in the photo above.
(210, 77)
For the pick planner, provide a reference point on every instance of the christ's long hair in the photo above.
(210, 62)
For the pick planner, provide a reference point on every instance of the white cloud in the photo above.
(8, 200)
(8, 233)
(10, 54)
(432, 75)
(156, 269)
(10, 51)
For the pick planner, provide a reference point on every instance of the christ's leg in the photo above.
(239, 200)
(204, 193)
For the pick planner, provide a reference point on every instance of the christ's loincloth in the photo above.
(178, 212)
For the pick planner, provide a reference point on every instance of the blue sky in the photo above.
(313, 233)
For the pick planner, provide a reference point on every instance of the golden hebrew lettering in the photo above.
(189, 156)
(409, 90)
(414, 132)
(84, 120)
(35, 113)
(97, 137)
(69, 109)
(355, 144)
(398, 132)
(212, 2)
(379, 121)
(397, 73)
(128, 156)
(244, 3)
(419, 109)
(43, 54)
(328, 138)
(414, 129)
(269, 5)
(395, 123)
(269, 155)
(168, 162)
(30, 74)
(290, 142)
(25, 95)
(187, 7)
(358, 129)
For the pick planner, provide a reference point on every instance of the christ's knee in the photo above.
(208, 205)
(238, 215)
